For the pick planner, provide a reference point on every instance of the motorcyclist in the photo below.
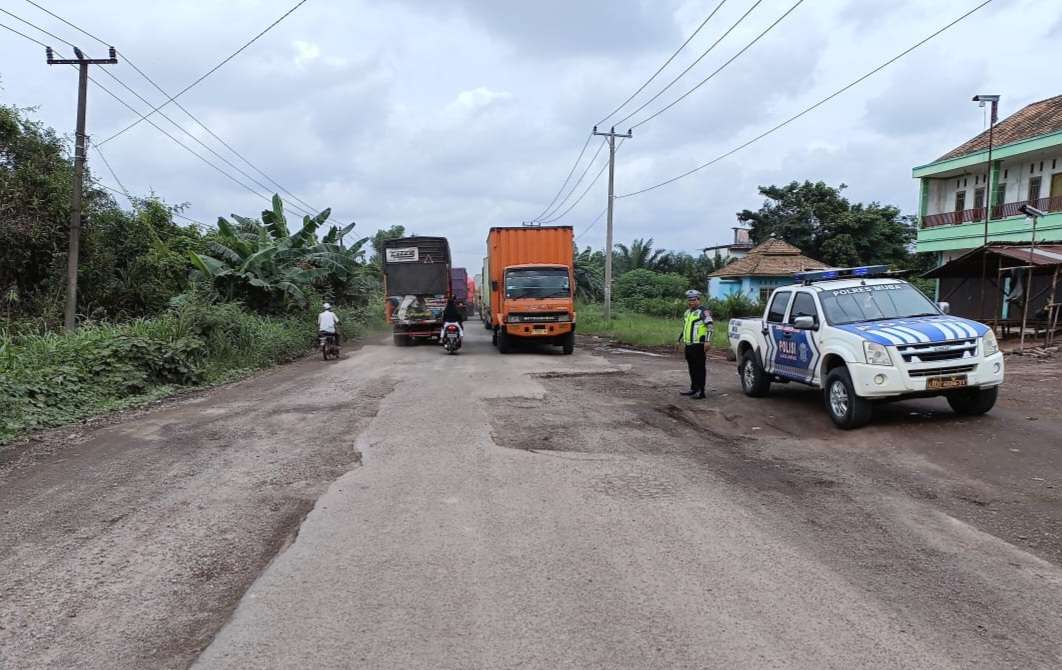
(452, 315)
(328, 323)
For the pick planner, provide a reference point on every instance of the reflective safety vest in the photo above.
(693, 328)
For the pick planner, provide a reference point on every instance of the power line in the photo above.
(587, 190)
(110, 169)
(720, 68)
(666, 63)
(575, 186)
(808, 109)
(578, 158)
(207, 74)
(582, 152)
(174, 212)
(156, 126)
(17, 32)
(181, 107)
(597, 219)
(691, 65)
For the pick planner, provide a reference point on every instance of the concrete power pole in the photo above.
(82, 63)
(611, 135)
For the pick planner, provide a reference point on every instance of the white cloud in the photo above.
(449, 118)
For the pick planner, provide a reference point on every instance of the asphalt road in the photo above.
(534, 510)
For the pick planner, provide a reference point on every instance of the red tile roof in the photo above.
(1039, 118)
(773, 258)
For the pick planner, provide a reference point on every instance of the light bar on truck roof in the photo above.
(841, 273)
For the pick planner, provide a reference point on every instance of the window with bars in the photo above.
(1034, 188)
(1000, 193)
(979, 198)
(960, 201)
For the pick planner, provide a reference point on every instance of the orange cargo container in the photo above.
(530, 281)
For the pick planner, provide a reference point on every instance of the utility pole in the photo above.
(993, 100)
(82, 63)
(611, 135)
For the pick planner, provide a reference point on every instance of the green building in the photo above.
(959, 189)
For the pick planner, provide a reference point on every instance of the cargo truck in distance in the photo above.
(459, 287)
(416, 285)
(529, 282)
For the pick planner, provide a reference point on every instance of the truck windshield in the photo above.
(537, 283)
(876, 302)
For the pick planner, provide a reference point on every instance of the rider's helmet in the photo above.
(328, 305)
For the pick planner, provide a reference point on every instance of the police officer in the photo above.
(696, 324)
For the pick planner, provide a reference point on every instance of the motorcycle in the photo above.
(452, 338)
(328, 343)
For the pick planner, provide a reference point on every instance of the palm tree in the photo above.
(640, 255)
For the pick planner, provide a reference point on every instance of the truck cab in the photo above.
(537, 303)
(530, 296)
(863, 337)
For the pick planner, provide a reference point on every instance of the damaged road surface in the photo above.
(532, 510)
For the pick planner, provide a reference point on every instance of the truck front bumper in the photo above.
(878, 381)
(539, 329)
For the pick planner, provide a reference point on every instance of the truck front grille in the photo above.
(929, 352)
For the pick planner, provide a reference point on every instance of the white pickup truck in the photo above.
(863, 338)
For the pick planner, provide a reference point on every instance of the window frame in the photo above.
(979, 193)
(814, 305)
(960, 200)
(785, 308)
(1039, 181)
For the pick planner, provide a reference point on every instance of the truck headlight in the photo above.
(989, 343)
(877, 354)
(564, 318)
(514, 319)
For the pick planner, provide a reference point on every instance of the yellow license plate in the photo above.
(941, 383)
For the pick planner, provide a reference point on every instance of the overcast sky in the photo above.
(449, 117)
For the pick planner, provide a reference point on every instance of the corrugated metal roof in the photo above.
(1015, 255)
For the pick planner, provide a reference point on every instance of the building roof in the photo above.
(1039, 118)
(773, 258)
(1045, 255)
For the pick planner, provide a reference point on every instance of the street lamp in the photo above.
(1034, 214)
(981, 100)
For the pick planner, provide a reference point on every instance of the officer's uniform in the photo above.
(695, 325)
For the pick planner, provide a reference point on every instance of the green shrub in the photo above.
(644, 283)
(733, 306)
(48, 379)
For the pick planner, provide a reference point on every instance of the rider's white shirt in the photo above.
(326, 322)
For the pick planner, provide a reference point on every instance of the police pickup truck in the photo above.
(864, 337)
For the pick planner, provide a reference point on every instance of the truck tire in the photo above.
(973, 402)
(401, 340)
(847, 409)
(568, 344)
(754, 380)
(505, 344)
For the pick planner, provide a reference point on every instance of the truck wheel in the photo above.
(754, 380)
(568, 344)
(505, 344)
(401, 341)
(846, 408)
(973, 402)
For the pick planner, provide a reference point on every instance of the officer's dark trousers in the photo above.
(695, 359)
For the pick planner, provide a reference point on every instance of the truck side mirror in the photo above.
(804, 323)
(494, 286)
(944, 307)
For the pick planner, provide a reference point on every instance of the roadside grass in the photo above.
(639, 329)
(48, 379)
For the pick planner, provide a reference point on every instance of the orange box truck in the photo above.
(529, 277)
